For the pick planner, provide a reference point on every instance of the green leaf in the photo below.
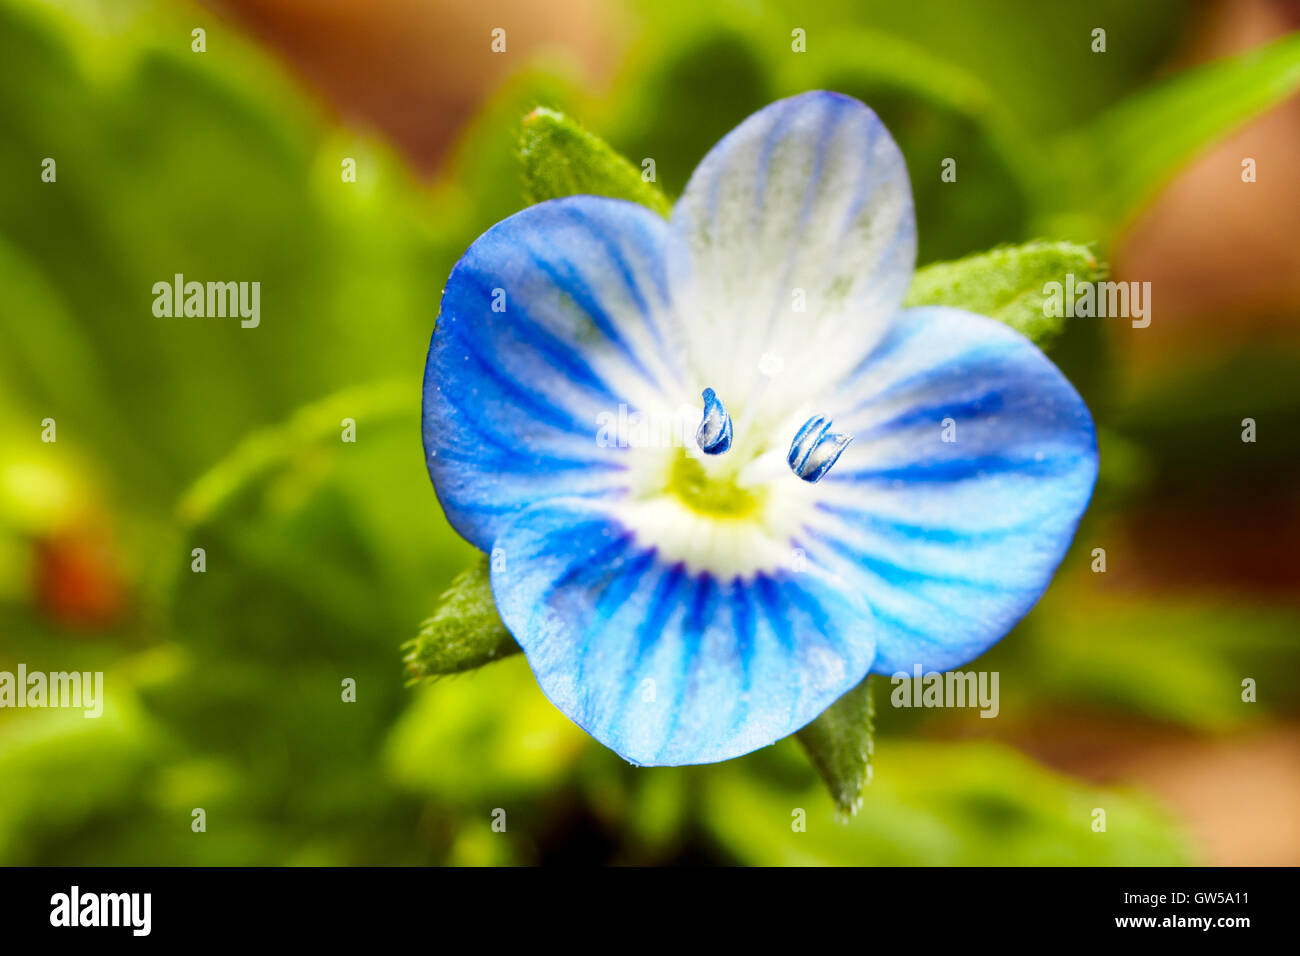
(1007, 284)
(839, 742)
(560, 158)
(1141, 142)
(465, 632)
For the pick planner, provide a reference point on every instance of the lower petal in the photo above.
(664, 664)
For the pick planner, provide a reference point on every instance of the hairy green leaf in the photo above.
(839, 742)
(465, 631)
(560, 158)
(1008, 284)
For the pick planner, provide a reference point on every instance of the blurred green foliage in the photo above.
(946, 804)
(226, 688)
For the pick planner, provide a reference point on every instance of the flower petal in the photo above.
(973, 461)
(796, 233)
(666, 665)
(552, 318)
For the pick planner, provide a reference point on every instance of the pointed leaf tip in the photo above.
(464, 632)
(840, 743)
(561, 158)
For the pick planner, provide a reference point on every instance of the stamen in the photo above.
(714, 434)
(816, 448)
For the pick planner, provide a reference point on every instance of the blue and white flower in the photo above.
(687, 607)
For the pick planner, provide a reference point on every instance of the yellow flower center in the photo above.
(714, 495)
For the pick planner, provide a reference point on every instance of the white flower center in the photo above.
(734, 515)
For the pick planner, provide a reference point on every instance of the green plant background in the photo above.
(323, 557)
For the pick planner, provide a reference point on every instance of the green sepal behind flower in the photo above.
(840, 743)
(561, 158)
(465, 631)
(1007, 284)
